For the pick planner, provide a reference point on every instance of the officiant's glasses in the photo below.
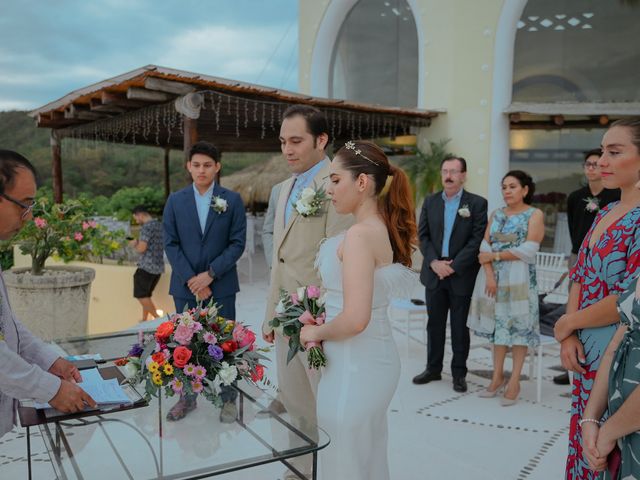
(27, 207)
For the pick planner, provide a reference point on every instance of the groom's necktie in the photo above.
(293, 196)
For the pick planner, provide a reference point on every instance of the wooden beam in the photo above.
(168, 86)
(56, 166)
(81, 112)
(96, 105)
(120, 100)
(167, 182)
(190, 129)
(136, 93)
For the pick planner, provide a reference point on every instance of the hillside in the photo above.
(98, 168)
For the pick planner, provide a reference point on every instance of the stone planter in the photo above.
(53, 305)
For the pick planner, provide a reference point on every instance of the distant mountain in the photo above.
(101, 168)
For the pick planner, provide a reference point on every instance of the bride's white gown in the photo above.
(360, 378)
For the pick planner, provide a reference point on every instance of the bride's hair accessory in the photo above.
(387, 186)
(350, 145)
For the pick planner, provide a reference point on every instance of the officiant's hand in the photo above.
(562, 329)
(594, 458)
(199, 282)
(65, 370)
(71, 398)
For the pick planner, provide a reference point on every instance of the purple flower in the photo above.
(216, 352)
(136, 350)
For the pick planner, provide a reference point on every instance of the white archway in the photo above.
(335, 15)
(502, 91)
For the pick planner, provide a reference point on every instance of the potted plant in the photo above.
(424, 168)
(54, 301)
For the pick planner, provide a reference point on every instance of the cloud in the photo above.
(230, 52)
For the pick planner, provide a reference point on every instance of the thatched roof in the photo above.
(254, 183)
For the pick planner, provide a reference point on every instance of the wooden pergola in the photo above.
(172, 109)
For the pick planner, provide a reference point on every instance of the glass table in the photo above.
(139, 443)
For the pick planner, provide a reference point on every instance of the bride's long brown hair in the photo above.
(395, 200)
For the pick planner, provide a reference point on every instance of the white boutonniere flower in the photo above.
(592, 204)
(464, 211)
(310, 201)
(219, 204)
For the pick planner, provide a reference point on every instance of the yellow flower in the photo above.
(157, 378)
(114, 245)
(153, 367)
(168, 369)
(229, 327)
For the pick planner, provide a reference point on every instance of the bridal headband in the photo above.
(352, 146)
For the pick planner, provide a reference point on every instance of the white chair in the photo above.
(250, 245)
(551, 268)
(412, 313)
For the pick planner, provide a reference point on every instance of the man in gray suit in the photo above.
(30, 368)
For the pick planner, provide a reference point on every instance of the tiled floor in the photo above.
(434, 432)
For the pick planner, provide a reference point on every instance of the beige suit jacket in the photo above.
(296, 244)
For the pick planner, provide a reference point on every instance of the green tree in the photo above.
(424, 168)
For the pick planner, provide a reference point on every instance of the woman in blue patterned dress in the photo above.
(508, 255)
(616, 390)
(608, 261)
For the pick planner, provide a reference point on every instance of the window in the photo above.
(375, 58)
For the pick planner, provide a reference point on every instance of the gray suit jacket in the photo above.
(25, 360)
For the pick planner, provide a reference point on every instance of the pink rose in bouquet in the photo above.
(307, 309)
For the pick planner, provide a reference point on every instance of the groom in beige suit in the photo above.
(304, 135)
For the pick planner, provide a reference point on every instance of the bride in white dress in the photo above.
(360, 269)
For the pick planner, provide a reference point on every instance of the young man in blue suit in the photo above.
(205, 231)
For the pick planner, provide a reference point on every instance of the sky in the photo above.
(49, 48)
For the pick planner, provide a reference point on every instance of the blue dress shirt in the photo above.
(203, 204)
(451, 206)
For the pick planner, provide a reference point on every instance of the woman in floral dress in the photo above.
(508, 256)
(608, 261)
(616, 390)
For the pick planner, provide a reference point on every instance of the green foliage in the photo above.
(424, 168)
(124, 200)
(64, 230)
(6, 255)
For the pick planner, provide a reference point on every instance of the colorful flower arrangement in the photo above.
(305, 306)
(195, 352)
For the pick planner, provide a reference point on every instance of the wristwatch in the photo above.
(497, 257)
(211, 273)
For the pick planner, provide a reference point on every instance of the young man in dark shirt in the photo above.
(582, 207)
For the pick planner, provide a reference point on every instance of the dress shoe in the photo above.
(181, 409)
(459, 384)
(228, 412)
(426, 377)
(562, 379)
(507, 402)
(490, 394)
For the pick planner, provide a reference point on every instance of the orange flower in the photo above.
(121, 362)
(181, 356)
(165, 329)
(158, 358)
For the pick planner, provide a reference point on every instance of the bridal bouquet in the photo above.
(305, 306)
(194, 352)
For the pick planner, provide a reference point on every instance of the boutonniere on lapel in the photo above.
(218, 204)
(464, 211)
(592, 204)
(310, 201)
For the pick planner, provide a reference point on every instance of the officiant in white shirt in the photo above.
(30, 368)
